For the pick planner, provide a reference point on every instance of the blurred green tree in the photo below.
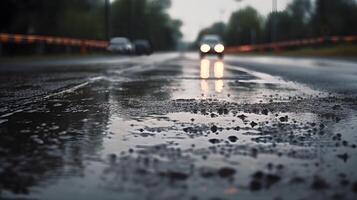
(135, 19)
(301, 19)
(333, 17)
(244, 27)
(146, 19)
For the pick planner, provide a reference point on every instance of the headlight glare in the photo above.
(219, 48)
(205, 48)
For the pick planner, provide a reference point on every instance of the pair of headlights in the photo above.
(218, 48)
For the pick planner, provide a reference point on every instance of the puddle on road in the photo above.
(289, 147)
(213, 78)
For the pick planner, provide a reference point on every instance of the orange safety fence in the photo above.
(292, 43)
(29, 39)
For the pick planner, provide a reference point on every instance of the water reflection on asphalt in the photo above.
(179, 129)
(218, 73)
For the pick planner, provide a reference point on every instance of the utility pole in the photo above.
(238, 1)
(107, 19)
(273, 20)
(131, 20)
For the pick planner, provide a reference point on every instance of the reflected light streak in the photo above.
(205, 64)
(218, 85)
(218, 69)
(204, 86)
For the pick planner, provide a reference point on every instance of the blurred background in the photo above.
(238, 22)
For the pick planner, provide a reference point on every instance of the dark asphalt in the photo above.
(171, 126)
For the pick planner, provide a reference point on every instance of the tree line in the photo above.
(301, 19)
(135, 19)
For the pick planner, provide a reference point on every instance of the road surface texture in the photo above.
(171, 126)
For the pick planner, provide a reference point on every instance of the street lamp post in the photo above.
(238, 1)
(107, 20)
(275, 5)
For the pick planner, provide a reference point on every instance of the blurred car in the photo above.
(211, 45)
(142, 47)
(120, 45)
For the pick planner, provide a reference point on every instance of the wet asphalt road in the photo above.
(171, 126)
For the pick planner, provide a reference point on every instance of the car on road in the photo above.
(211, 45)
(142, 47)
(120, 45)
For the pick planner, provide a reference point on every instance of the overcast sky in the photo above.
(197, 14)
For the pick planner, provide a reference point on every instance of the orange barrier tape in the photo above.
(292, 43)
(49, 40)
(18, 38)
(4, 38)
(29, 39)
(350, 38)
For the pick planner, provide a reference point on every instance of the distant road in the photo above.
(332, 75)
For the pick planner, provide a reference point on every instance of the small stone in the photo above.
(319, 184)
(344, 143)
(214, 141)
(214, 128)
(213, 115)
(255, 185)
(272, 179)
(343, 157)
(207, 173)
(232, 138)
(242, 117)
(284, 119)
(322, 126)
(265, 112)
(237, 128)
(174, 176)
(253, 124)
(112, 157)
(187, 129)
(258, 175)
